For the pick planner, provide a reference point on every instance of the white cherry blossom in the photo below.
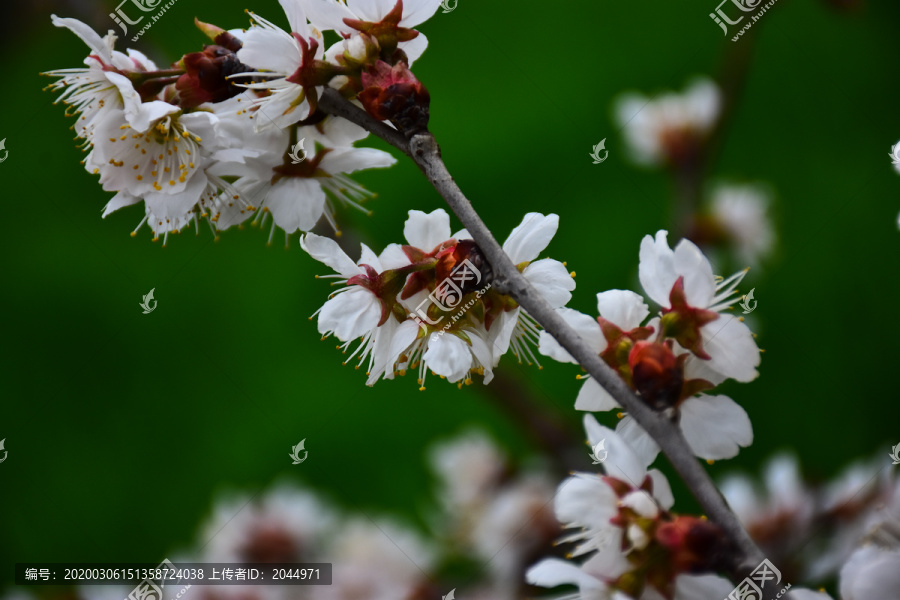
(727, 341)
(278, 55)
(102, 91)
(330, 15)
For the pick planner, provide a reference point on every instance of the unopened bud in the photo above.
(656, 374)
(394, 94)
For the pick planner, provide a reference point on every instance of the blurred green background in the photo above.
(121, 427)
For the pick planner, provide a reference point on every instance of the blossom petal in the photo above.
(593, 398)
(802, 594)
(87, 35)
(699, 280)
(393, 257)
(552, 281)
(120, 200)
(622, 462)
(871, 573)
(327, 252)
(716, 427)
(350, 314)
(482, 353)
(175, 206)
(416, 12)
(448, 355)
(368, 257)
(552, 572)
(296, 203)
(638, 439)
(426, 231)
(531, 237)
(296, 16)
(585, 501)
(327, 14)
(391, 340)
(609, 564)
(139, 114)
(339, 132)
(348, 160)
(414, 48)
(692, 587)
(623, 308)
(657, 267)
(586, 326)
(370, 10)
(270, 50)
(733, 351)
(662, 491)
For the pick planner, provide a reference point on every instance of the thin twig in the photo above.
(663, 428)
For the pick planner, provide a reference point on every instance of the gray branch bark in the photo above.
(424, 151)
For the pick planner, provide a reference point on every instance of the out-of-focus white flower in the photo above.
(860, 502)
(285, 59)
(282, 526)
(779, 516)
(517, 521)
(382, 561)
(669, 129)
(103, 90)
(681, 281)
(489, 510)
(467, 467)
(742, 211)
(871, 573)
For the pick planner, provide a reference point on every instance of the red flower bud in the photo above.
(394, 94)
(656, 373)
(206, 76)
(695, 545)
